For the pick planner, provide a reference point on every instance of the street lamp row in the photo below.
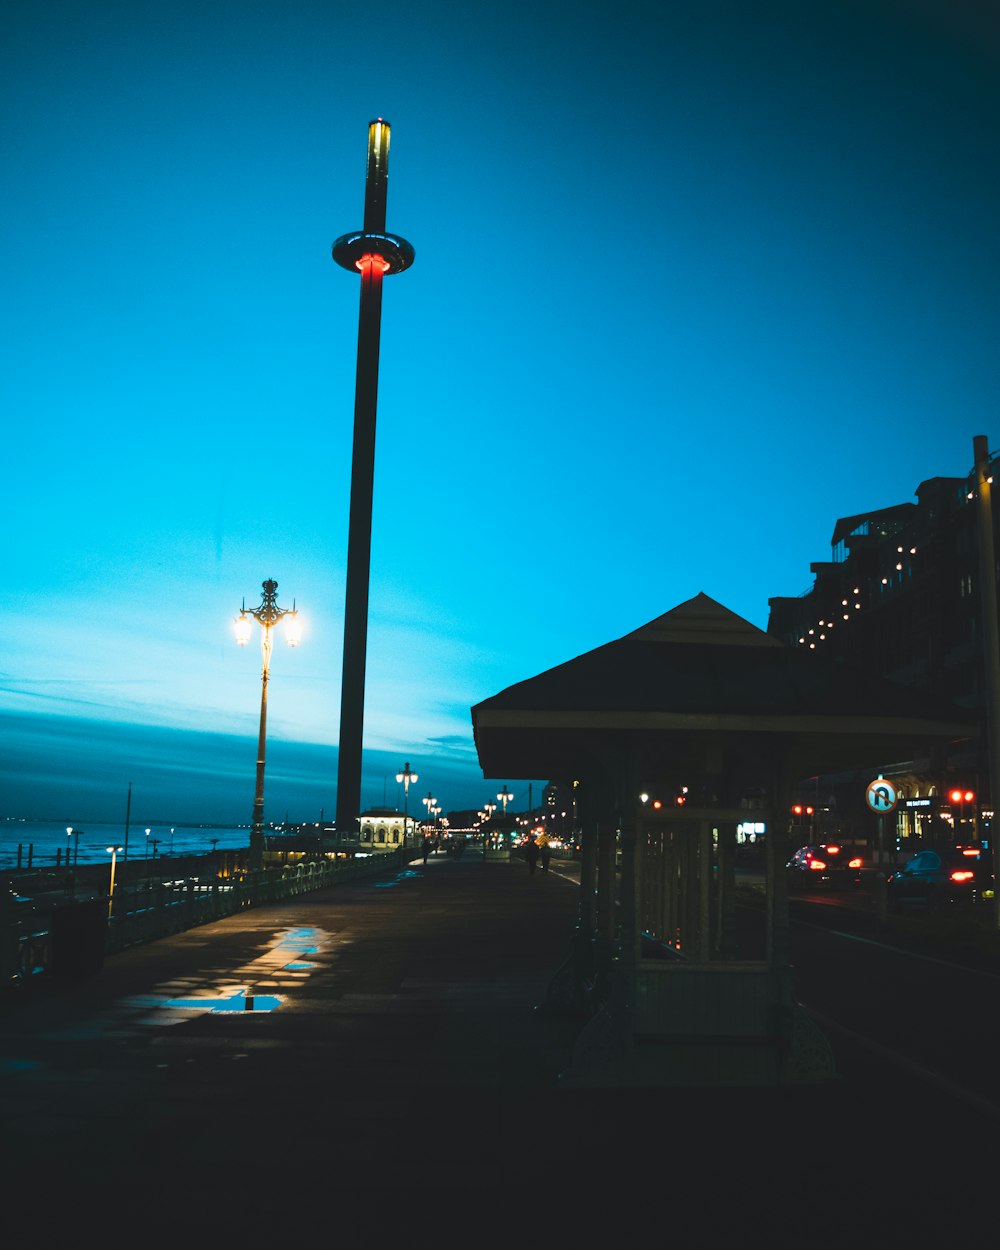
(504, 797)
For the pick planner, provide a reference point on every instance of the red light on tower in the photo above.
(372, 260)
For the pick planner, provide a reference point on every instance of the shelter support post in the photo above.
(990, 633)
(570, 992)
(776, 855)
(604, 934)
(725, 933)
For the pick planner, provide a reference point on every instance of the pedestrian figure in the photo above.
(531, 853)
(426, 848)
(546, 854)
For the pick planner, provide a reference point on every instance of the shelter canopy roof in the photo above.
(699, 683)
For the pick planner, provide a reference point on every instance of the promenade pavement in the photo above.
(394, 1069)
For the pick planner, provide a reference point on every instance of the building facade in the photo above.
(384, 829)
(901, 597)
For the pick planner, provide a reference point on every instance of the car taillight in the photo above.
(854, 863)
(817, 863)
(833, 850)
(962, 874)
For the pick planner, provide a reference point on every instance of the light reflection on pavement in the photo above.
(281, 965)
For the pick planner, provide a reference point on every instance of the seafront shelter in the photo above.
(671, 737)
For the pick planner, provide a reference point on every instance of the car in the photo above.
(827, 865)
(952, 874)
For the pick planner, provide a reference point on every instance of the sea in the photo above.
(41, 844)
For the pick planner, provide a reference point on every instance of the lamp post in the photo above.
(488, 836)
(505, 797)
(128, 810)
(406, 777)
(148, 832)
(429, 804)
(72, 833)
(267, 615)
(113, 851)
(372, 253)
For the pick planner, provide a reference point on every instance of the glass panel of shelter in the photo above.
(687, 903)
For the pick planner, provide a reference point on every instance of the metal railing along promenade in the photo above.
(66, 937)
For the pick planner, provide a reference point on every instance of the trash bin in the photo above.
(77, 935)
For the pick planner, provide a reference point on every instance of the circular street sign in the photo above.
(881, 795)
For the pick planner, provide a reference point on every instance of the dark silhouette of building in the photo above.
(900, 598)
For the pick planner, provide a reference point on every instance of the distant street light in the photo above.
(72, 833)
(405, 777)
(489, 809)
(505, 797)
(429, 803)
(267, 615)
(148, 832)
(113, 851)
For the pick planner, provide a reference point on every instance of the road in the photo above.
(928, 1011)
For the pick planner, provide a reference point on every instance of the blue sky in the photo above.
(693, 280)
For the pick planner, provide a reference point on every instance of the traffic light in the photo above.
(961, 796)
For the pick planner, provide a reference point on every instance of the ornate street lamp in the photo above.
(505, 797)
(429, 802)
(405, 777)
(267, 615)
